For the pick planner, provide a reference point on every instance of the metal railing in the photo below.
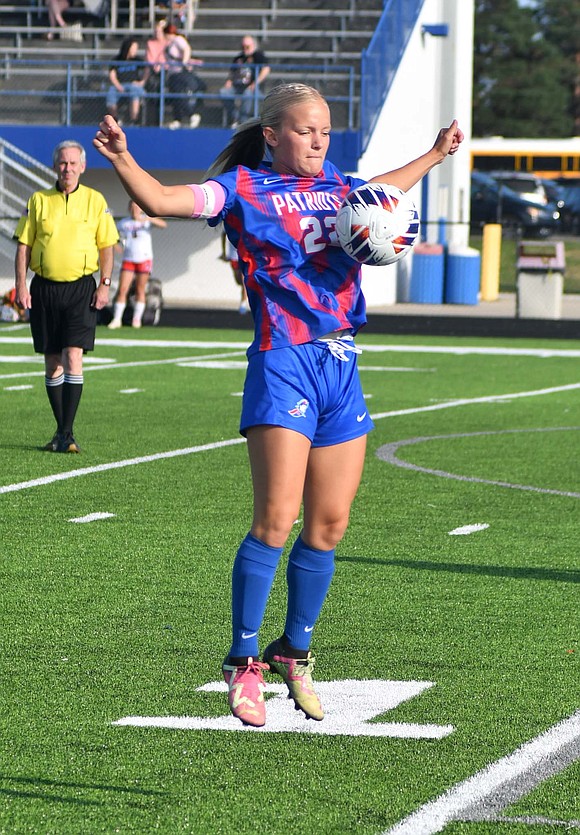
(73, 92)
(381, 58)
(20, 175)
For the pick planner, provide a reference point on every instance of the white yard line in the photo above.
(116, 465)
(544, 756)
(237, 345)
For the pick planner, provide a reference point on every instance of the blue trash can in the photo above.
(427, 270)
(462, 275)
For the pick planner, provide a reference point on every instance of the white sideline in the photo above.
(459, 800)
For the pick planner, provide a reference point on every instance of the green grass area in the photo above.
(508, 258)
(127, 615)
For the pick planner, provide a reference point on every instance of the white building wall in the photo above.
(432, 87)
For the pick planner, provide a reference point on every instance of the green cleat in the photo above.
(297, 674)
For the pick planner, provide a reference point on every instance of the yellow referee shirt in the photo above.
(66, 232)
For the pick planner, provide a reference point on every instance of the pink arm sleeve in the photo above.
(209, 199)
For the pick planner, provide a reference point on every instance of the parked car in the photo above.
(555, 194)
(495, 202)
(570, 212)
(527, 186)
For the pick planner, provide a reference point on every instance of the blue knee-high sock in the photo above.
(308, 574)
(252, 578)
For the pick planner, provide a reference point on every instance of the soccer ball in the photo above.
(377, 224)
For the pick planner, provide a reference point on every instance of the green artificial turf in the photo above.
(128, 614)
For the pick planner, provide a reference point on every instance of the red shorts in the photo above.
(132, 267)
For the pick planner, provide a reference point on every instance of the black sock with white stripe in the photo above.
(54, 388)
(71, 396)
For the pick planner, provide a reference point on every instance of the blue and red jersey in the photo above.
(300, 282)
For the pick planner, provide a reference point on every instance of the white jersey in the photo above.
(136, 239)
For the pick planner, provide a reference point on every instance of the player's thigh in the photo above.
(332, 480)
(278, 462)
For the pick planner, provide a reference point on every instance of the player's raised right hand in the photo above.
(110, 141)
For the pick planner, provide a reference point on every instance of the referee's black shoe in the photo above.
(68, 444)
(52, 445)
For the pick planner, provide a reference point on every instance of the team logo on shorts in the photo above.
(299, 409)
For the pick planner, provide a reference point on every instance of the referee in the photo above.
(66, 234)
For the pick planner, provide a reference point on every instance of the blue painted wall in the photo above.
(159, 148)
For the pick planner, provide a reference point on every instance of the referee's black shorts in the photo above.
(61, 315)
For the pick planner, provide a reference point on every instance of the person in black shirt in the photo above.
(248, 71)
(127, 78)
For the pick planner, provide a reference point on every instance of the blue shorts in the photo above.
(308, 389)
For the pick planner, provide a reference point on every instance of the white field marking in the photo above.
(230, 364)
(509, 778)
(12, 358)
(130, 391)
(383, 452)
(493, 398)
(467, 529)
(117, 465)
(465, 350)
(18, 388)
(8, 327)
(395, 368)
(113, 364)
(170, 343)
(462, 350)
(348, 708)
(534, 820)
(92, 517)
(146, 343)
(388, 453)
(38, 360)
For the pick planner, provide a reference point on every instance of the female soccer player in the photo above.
(303, 411)
(137, 263)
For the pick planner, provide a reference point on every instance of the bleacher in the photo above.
(320, 44)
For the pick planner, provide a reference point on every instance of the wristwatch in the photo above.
(106, 282)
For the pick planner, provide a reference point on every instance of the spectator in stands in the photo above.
(127, 77)
(176, 11)
(66, 234)
(55, 9)
(137, 249)
(155, 58)
(303, 411)
(182, 80)
(155, 54)
(249, 70)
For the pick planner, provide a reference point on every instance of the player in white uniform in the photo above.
(137, 262)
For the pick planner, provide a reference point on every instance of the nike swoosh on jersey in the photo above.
(268, 181)
(360, 418)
